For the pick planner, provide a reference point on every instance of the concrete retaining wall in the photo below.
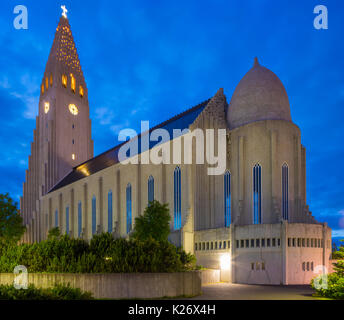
(211, 276)
(120, 285)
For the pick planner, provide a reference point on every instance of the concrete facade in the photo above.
(119, 285)
(284, 246)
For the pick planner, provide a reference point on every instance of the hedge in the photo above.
(103, 254)
(58, 292)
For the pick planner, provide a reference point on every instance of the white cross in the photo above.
(64, 11)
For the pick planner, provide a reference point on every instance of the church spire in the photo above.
(63, 62)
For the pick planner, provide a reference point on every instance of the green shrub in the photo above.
(58, 292)
(103, 254)
(335, 283)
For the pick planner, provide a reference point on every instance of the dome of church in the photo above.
(260, 95)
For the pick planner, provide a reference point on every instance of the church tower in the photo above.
(62, 138)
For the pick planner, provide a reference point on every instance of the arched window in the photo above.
(150, 189)
(110, 211)
(81, 91)
(177, 199)
(72, 82)
(285, 195)
(227, 198)
(79, 218)
(46, 82)
(64, 80)
(56, 219)
(94, 215)
(257, 194)
(67, 220)
(129, 209)
(42, 88)
(51, 80)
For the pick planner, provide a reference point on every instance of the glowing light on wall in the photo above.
(46, 107)
(225, 262)
(73, 156)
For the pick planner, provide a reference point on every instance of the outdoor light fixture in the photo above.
(225, 261)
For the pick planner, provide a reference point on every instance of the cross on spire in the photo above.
(64, 11)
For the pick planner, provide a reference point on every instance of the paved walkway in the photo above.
(229, 291)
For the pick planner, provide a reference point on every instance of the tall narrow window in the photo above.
(79, 218)
(177, 199)
(227, 197)
(285, 195)
(56, 219)
(42, 88)
(129, 212)
(81, 91)
(110, 211)
(150, 189)
(257, 194)
(64, 80)
(94, 215)
(51, 80)
(46, 82)
(72, 82)
(67, 220)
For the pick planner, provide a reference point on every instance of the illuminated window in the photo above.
(72, 82)
(81, 91)
(94, 215)
(51, 80)
(257, 194)
(46, 82)
(227, 197)
(79, 218)
(129, 208)
(64, 80)
(150, 189)
(73, 156)
(42, 88)
(73, 109)
(110, 211)
(285, 192)
(177, 199)
(46, 107)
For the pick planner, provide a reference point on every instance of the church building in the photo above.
(252, 221)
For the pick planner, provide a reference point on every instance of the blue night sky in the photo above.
(149, 60)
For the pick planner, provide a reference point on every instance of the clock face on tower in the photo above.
(73, 109)
(46, 107)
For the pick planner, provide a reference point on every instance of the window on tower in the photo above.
(72, 82)
(81, 91)
(51, 80)
(42, 88)
(64, 80)
(46, 83)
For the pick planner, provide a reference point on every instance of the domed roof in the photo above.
(260, 95)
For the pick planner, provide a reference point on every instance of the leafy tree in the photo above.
(154, 223)
(54, 233)
(339, 254)
(11, 223)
